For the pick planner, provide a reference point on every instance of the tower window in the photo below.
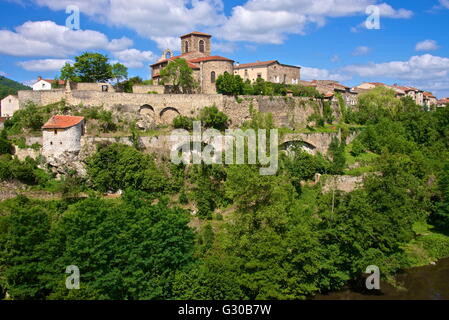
(212, 77)
(201, 45)
(187, 46)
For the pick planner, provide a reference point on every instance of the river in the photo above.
(421, 283)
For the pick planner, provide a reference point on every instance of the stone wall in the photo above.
(292, 112)
(342, 183)
(147, 89)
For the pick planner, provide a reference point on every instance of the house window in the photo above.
(201, 45)
(56, 131)
(104, 88)
(43, 85)
(259, 76)
(187, 46)
(246, 74)
(212, 77)
(285, 78)
(51, 143)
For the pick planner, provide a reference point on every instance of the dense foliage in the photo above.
(8, 86)
(241, 235)
(93, 67)
(234, 85)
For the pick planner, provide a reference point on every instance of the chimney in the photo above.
(39, 78)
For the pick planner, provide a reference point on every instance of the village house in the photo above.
(329, 88)
(429, 99)
(46, 84)
(366, 86)
(416, 94)
(271, 71)
(443, 102)
(62, 134)
(9, 105)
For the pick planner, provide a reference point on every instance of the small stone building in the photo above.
(62, 134)
(9, 105)
(271, 71)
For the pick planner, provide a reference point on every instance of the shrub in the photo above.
(211, 117)
(182, 122)
(229, 84)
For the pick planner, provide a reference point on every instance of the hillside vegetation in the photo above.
(227, 232)
(8, 86)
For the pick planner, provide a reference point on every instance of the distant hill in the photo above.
(8, 86)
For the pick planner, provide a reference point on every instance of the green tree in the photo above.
(119, 167)
(229, 84)
(24, 236)
(125, 251)
(88, 67)
(68, 73)
(179, 75)
(119, 72)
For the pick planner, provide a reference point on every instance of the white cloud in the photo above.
(445, 3)
(89, 7)
(269, 21)
(133, 58)
(260, 21)
(47, 39)
(361, 51)
(427, 45)
(3, 74)
(335, 58)
(424, 67)
(322, 74)
(43, 65)
(171, 43)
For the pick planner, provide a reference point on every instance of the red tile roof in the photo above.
(212, 58)
(62, 122)
(60, 82)
(197, 33)
(255, 64)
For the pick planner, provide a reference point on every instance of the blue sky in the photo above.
(328, 38)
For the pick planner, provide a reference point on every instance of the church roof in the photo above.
(62, 122)
(211, 58)
(196, 33)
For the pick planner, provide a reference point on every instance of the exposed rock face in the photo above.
(66, 162)
(22, 154)
(343, 183)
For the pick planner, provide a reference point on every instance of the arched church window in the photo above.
(212, 76)
(187, 46)
(201, 45)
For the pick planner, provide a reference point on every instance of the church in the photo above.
(196, 49)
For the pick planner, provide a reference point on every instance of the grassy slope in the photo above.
(8, 86)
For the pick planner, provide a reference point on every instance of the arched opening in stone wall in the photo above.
(201, 46)
(146, 109)
(186, 46)
(146, 117)
(213, 76)
(168, 114)
(292, 146)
